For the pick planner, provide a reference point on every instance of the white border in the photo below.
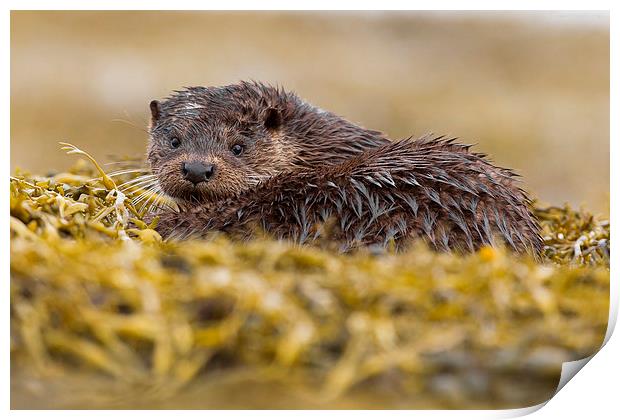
(592, 393)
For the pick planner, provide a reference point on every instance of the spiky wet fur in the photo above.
(431, 188)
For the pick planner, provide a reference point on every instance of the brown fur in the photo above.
(278, 130)
(325, 178)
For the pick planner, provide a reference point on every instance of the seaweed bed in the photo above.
(105, 314)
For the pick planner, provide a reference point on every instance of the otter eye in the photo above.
(237, 149)
(175, 142)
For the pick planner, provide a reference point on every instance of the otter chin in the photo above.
(249, 154)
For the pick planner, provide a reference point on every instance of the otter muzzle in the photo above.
(197, 172)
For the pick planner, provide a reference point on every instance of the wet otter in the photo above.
(248, 155)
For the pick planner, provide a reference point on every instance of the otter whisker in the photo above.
(121, 172)
(139, 186)
(129, 171)
(161, 203)
(139, 178)
(143, 195)
(124, 172)
(129, 123)
(155, 197)
(135, 162)
(138, 195)
(136, 181)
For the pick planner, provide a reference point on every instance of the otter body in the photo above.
(305, 174)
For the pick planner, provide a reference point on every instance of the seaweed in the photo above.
(95, 290)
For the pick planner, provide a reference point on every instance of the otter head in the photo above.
(212, 143)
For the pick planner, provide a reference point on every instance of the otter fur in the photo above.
(274, 130)
(304, 174)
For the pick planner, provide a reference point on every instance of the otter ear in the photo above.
(273, 119)
(154, 105)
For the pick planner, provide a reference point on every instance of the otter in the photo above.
(247, 156)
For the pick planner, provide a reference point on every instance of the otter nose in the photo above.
(197, 172)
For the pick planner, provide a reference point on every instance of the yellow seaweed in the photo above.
(93, 286)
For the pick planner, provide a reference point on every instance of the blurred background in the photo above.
(531, 89)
